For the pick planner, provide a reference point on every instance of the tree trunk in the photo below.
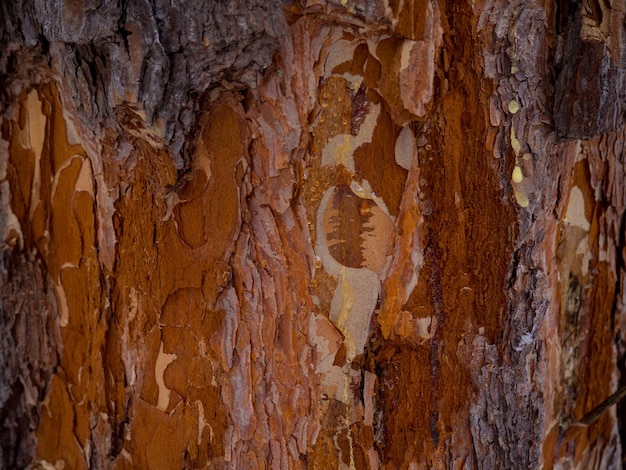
(323, 234)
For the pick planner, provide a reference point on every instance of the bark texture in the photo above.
(313, 234)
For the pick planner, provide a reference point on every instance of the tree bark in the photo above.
(313, 234)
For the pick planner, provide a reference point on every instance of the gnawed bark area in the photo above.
(311, 235)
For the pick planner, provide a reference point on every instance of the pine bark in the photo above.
(313, 234)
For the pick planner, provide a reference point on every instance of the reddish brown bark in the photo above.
(311, 235)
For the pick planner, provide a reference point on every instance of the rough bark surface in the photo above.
(321, 234)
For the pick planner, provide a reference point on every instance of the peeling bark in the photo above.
(319, 234)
